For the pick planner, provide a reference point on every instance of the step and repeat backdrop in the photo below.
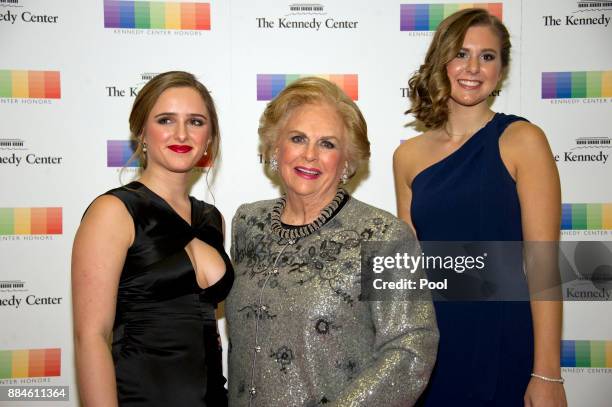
(69, 72)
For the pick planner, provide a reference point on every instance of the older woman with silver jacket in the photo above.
(300, 332)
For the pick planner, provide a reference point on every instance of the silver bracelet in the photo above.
(548, 379)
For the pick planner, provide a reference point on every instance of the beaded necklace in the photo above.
(304, 230)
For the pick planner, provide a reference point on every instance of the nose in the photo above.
(473, 65)
(181, 132)
(311, 153)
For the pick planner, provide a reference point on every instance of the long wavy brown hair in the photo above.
(429, 86)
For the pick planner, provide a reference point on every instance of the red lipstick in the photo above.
(181, 149)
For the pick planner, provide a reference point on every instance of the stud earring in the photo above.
(144, 147)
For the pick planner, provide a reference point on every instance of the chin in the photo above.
(309, 190)
(181, 167)
(301, 189)
(469, 102)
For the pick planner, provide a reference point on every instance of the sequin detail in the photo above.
(322, 345)
(283, 356)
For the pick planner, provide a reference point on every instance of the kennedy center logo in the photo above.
(586, 219)
(590, 356)
(28, 87)
(587, 13)
(13, 153)
(30, 221)
(427, 17)
(156, 16)
(16, 12)
(24, 363)
(587, 150)
(306, 16)
(572, 85)
(269, 85)
(577, 87)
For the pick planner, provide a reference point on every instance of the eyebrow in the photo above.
(484, 50)
(301, 133)
(330, 138)
(174, 114)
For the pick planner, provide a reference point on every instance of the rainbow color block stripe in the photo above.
(269, 85)
(30, 363)
(586, 216)
(119, 152)
(30, 221)
(572, 85)
(586, 354)
(30, 84)
(426, 17)
(156, 15)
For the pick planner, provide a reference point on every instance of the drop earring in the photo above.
(273, 164)
(344, 177)
(144, 147)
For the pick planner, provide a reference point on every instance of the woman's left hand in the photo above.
(544, 394)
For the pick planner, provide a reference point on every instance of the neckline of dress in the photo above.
(462, 147)
(298, 231)
(167, 205)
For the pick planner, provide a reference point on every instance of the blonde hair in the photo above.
(312, 90)
(429, 87)
(148, 96)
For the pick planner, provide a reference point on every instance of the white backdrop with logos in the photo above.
(69, 72)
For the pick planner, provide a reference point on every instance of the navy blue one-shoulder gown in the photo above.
(485, 354)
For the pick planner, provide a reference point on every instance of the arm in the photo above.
(537, 181)
(403, 190)
(100, 246)
(233, 252)
(405, 345)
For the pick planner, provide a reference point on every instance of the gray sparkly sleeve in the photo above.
(406, 343)
(235, 221)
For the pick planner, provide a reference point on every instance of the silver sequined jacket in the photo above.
(300, 336)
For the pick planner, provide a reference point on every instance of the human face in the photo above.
(476, 69)
(311, 152)
(177, 130)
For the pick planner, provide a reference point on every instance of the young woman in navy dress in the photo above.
(477, 175)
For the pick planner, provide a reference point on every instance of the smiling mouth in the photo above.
(466, 83)
(307, 173)
(180, 149)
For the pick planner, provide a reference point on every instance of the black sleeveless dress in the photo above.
(165, 343)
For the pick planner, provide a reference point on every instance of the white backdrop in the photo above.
(101, 61)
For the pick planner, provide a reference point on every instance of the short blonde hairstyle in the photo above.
(147, 97)
(313, 90)
(429, 87)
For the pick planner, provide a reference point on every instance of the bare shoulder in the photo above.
(523, 147)
(105, 208)
(524, 137)
(408, 156)
(107, 218)
(411, 146)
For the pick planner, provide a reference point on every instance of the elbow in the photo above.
(87, 341)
